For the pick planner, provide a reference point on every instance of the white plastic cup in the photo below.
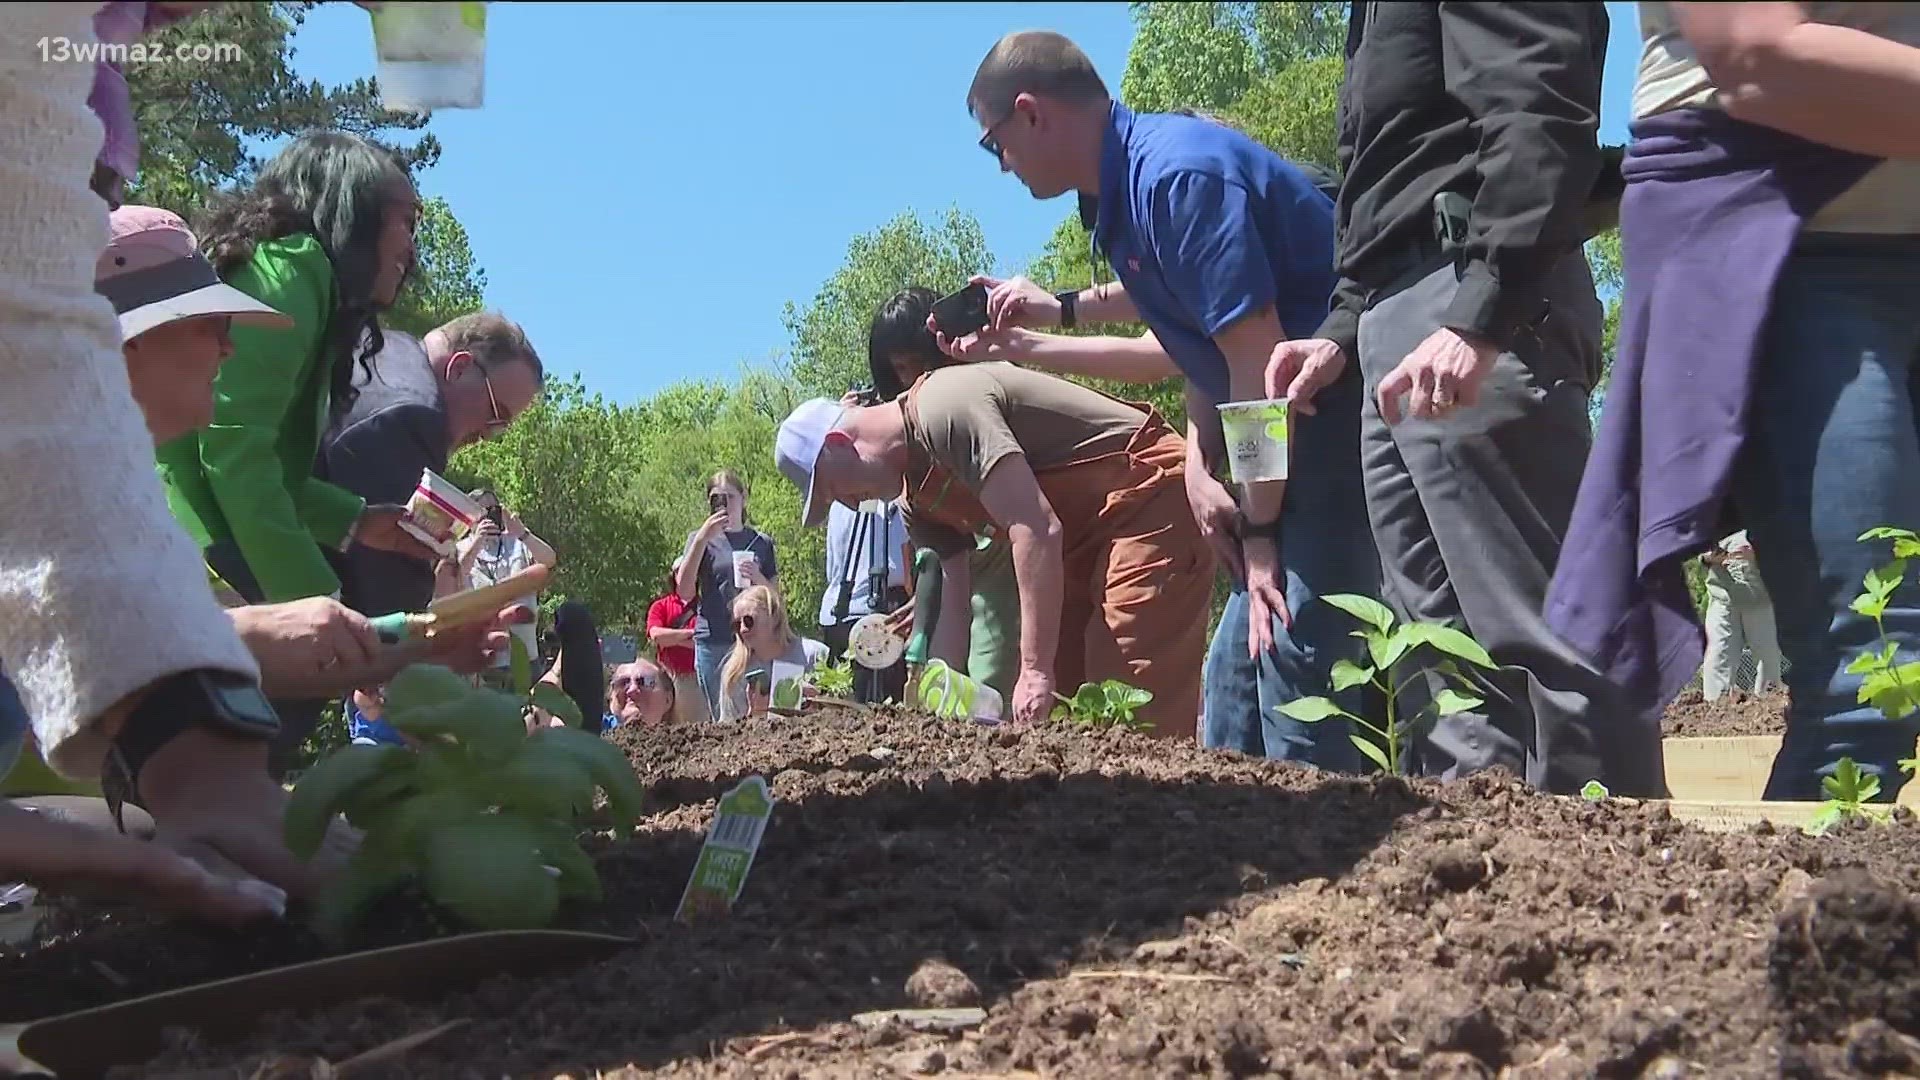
(439, 514)
(742, 560)
(1256, 433)
(431, 55)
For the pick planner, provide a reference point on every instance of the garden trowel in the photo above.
(460, 609)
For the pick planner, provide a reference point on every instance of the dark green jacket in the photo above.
(248, 477)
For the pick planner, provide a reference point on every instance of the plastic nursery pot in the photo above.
(1256, 435)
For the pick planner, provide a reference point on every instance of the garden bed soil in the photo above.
(1127, 908)
(1736, 713)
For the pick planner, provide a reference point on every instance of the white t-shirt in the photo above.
(500, 558)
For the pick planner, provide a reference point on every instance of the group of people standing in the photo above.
(1436, 332)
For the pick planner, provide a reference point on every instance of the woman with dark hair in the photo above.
(900, 349)
(324, 235)
(578, 669)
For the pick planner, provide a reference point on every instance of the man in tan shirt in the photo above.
(1114, 577)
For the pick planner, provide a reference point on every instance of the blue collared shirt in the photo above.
(1205, 226)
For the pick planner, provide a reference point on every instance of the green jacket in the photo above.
(248, 476)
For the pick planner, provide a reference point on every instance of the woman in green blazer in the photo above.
(326, 235)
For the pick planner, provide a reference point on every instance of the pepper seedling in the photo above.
(481, 815)
(1388, 645)
(1111, 703)
(835, 681)
(1849, 790)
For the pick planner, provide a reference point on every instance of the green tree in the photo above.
(1209, 55)
(447, 282)
(199, 122)
(830, 333)
(1293, 111)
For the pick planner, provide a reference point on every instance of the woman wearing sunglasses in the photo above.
(762, 639)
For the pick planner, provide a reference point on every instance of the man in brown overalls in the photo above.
(1113, 574)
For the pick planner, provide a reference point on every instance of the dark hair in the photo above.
(583, 675)
(899, 328)
(336, 187)
(493, 340)
(1032, 62)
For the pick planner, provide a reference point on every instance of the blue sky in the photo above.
(648, 184)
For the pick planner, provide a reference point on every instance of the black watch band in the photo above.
(1247, 526)
(226, 702)
(1069, 308)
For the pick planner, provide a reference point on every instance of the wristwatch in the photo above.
(1245, 526)
(221, 700)
(1069, 308)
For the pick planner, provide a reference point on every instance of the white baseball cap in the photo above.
(796, 450)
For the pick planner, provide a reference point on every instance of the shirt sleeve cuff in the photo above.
(1481, 306)
(1342, 327)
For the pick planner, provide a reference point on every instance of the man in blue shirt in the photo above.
(1223, 250)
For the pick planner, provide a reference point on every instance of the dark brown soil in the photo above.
(1736, 713)
(1127, 908)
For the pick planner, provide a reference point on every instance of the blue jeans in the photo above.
(708, 655)
(1326, 544)
(1831, 451)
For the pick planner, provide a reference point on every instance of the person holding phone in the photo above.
(500, 547)
(765, 648)
(723, 557)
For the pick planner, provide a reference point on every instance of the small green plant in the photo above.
(1105, 704)
(482, 815)
(1388, 645)
(1594, 791)
(1849, 790)
(835, 681)
(1892, 688)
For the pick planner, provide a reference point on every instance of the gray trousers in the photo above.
(1469, 512)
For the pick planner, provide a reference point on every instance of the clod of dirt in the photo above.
(1457, 867)
(919, 1062)
(1848, 950)
(1244, 1048)
(936, 984)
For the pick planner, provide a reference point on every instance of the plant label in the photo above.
(721, 870)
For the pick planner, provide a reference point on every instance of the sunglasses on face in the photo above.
(628, 683)
(990, 142)
(743, 624)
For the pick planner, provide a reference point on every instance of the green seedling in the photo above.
(835, 681)
(1848, 792)
(1892, 688)
(1388, 646)
(482, 815)
(1594, 791)
(1105, 704)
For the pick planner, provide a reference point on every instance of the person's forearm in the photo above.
(686, 581)
(1809, 79)
(541, 551)
(1038, 567)
(101, 592)
(1106, 303)
(1124, 359)
(668, 637)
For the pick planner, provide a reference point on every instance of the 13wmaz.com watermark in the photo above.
(59, 50)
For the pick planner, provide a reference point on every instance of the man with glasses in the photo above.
(464, 382)
(639, 694)
(1223, 249)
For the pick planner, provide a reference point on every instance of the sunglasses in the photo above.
(990, 142)
(645, 681)
(743, 624)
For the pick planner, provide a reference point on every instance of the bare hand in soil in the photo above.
(212, 800)
(62, 857)
(1032, 697)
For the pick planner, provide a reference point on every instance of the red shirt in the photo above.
(666, 611)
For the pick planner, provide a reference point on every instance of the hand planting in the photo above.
(1388, 646)
(1105, 704)
(481, 816)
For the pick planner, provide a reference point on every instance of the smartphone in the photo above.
(760, 682)
(497, 516)
(963, 312)
(716, 503)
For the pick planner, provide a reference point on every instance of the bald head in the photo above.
(1037, 62)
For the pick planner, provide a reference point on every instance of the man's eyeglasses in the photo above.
(500, 421)
(990, 142)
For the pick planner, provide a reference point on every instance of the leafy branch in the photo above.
(1388, 646)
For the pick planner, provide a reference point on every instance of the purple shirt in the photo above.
(1712, 208)
(120, 23)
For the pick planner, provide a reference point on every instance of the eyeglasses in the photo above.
(991, 142)
(743, 624)
(500, 421)
(642, 681)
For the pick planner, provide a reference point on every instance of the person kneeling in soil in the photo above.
(1113, 575)
(174, 316)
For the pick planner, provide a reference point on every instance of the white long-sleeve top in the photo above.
(101, 592)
